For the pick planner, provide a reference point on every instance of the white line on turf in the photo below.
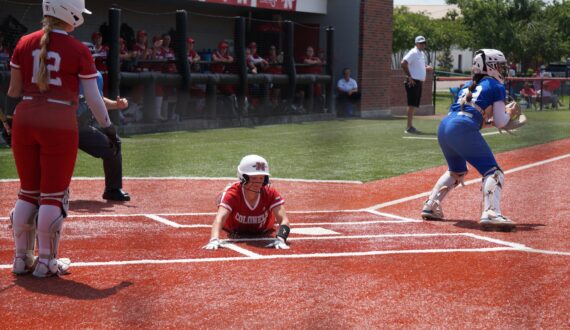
(279, 256)
(241, 250)
(470, 182)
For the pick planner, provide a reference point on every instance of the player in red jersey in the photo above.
(251, 206)
(46, 68)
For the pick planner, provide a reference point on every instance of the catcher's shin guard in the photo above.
(48, 236)
(448, 181)
(491, 216)
(25, 241)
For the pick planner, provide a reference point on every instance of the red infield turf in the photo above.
(360, 257)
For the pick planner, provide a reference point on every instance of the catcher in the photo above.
(480, 103)
(250, 206)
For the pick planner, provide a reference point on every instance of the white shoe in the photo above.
(432, 210)
(54, 267)
(24, 265)
(490, 219)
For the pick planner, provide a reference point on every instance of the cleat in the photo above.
(432, 210)
(116, 195)
(491, 220)
(24, 265)
(411, 130)
(54, 267)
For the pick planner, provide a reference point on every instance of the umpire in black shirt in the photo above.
(94, 142)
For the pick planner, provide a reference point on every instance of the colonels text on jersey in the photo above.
(244, 217)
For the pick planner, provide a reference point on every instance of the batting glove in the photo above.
(214, 244)
(279, 244)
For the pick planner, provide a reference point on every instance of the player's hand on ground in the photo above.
(214, 244)
(278, 243)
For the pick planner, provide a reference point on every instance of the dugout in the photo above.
(362, 35)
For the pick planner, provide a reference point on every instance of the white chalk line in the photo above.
(435, 138)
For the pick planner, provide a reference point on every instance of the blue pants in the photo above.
(462, 143)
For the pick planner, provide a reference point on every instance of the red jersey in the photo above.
(68, 61)
(247, 218)
(219, 67)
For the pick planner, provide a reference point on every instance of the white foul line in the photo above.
(470, 182)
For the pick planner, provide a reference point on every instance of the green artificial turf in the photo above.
(358, 149)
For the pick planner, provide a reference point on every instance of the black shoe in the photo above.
(116, 195)
(411, 130)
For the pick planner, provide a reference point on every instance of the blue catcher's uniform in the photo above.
(458, 134)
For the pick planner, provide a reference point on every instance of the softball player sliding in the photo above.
(46, 68)
(250, 206)
(480, 102)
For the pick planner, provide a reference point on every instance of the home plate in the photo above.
(314, 231)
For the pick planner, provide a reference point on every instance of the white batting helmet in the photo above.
(491, 62)
(69, 11)
(253, 165)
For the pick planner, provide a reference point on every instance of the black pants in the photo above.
(95, 143)
(414, 93)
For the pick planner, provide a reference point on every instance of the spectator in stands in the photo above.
(5, 53)
(251, 68)
(275, 66)
(99, 50)
(415, 68)
(167, 51)
(140, 49)
(529, 95)
(254, 57)
(312, 66)
(347, 89)
(193, 56)
(221, 59)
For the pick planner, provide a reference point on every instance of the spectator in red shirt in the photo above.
(140, 49)
(220, 61)
(193, 56)
(529, 94)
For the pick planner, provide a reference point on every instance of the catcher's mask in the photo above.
(253, 165)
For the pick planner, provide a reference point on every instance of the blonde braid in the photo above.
(43, 74)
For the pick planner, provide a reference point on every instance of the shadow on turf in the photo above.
(89, 206)
(471, 224)
(60, 286)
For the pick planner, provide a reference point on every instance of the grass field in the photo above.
(341, 149)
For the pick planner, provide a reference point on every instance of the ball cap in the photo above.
(420, 39)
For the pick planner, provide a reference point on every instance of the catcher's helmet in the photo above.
(69, 11)
(253, 165)
(491, 62)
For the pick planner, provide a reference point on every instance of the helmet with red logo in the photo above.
(253, 165)
(69, 11)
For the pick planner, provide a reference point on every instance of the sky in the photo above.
(419, 2)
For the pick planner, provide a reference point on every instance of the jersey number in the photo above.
(474, 95)
(50, 67)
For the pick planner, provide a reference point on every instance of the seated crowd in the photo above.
(159, 56)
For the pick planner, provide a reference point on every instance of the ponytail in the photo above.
(49, 23)
(469, 96)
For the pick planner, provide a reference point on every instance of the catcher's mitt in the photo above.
(518, 119)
